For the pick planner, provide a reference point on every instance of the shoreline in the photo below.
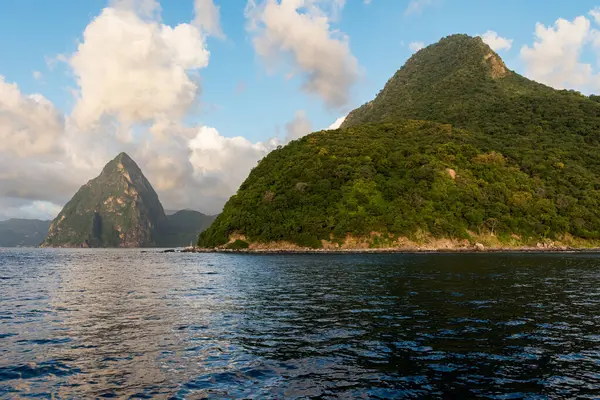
(569, 250)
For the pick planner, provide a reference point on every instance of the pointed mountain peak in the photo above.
(123, 159)
(459, 69)
(119, 208)
(122, 156)
(123, 165)
(460, 52)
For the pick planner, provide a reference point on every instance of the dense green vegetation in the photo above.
(22, 232)
(396, 178)
(525, 158)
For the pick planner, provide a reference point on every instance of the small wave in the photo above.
(44, 341)
(33, 370)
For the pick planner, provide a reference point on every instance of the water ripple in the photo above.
(132, 324)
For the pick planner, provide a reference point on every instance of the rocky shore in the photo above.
(474, 249)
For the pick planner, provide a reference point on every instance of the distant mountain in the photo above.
(119, 208)
(23, 232)
(455, 147)
(182, 228)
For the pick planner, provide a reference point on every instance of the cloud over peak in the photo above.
(299, 33)
(495, 41)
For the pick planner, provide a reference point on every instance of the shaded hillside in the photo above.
(182, 228)
(23, 232)
(515, 159)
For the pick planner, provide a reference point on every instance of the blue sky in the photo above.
(241, 91)
(379, 34)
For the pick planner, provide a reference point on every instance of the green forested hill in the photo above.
(455, 146)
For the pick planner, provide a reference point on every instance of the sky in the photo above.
(198, 91)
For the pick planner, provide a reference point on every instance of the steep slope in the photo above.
(182, 228)
(22, 232)
(119, 208)
(501, 159)
(461, 81)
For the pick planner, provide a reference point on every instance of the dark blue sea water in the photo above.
(133, 324)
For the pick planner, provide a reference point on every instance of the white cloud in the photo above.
(136, 69)
(417, 6)
(35, 164)
(221, 164)
(298, 127)
(416, 46)
(43, 210)
(132, 70)
(299, 32)
(37, 75)
(207, 17)
(29, 125)
(495, 41)
(337, 123)
(554, 57)
(595, 13)
(144, 8)
(137, 79)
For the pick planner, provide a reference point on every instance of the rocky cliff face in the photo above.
(119, 208)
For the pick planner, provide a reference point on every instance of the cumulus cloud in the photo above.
(496, 42)
(137, 78)
(555, 56)
(417, 6)
(136, 69)
(29, 125)
(337, 123)
(38, 161)
(36, 209)
(35, 164)
(221, 163)
(416, 46)
(208, 17)
(298, 32)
